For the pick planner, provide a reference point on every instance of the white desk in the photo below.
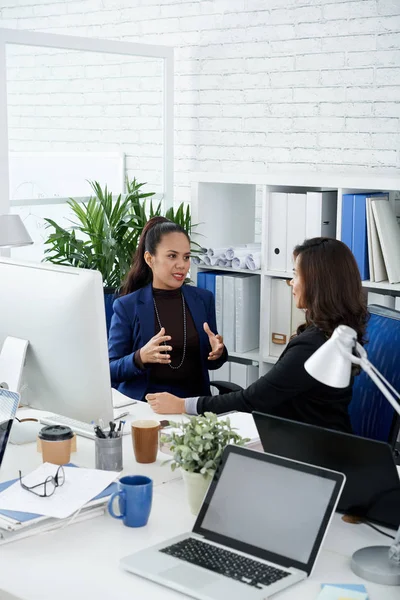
(81, 561)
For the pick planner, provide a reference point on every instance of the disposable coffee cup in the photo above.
(55, 441)
(145, 436)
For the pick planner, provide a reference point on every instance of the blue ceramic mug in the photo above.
(135, 495)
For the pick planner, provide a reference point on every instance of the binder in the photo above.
(277, 231)
(295, 226)
(280, 316)
(321, 214)
(359, 241)
(397, 303)
(243, 375)
(347, 220)
(228, 312)
(247, 312)
(201, 280)
(381, 299)
(219, 301)
(377, 269)
(210, 282)
(389, 237)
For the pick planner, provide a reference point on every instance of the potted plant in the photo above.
(196, 446)
(105, 233)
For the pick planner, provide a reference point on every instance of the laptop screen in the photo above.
(278, 506)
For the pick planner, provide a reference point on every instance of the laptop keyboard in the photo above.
(224, 562)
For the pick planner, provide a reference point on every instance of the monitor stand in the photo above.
(12, 360)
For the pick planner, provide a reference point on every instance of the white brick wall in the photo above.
(260, 84)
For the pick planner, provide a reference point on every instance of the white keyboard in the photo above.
(78, 427)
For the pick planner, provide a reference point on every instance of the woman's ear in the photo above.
(148, 259)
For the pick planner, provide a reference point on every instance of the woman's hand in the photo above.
(166, 403)
(154, 350)
(216, 343)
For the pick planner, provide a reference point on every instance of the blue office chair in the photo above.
(371, 415)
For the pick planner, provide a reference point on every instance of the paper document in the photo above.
(81, 485)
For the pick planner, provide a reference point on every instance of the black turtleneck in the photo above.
(162, 377)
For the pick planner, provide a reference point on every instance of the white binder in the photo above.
(277, 218)
(280, 316)
(321, 214)
(243, 375)
(219, 301)
(397, 303)
(381, 299)
(228, 312)
(377, 269)
(247, 312)
(295, 225)
(389, 237)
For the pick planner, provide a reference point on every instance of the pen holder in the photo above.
(108, 453)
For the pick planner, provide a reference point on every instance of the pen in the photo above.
(119, 426)
(99, 432)
(124, 414)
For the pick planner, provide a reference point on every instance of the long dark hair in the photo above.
(140, 273)
(332, 290)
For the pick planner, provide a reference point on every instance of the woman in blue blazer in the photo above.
(163, 333)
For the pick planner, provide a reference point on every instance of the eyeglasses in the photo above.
(48, 486)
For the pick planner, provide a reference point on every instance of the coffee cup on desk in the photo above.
(55, 441)
(135, 496)
(145, 440)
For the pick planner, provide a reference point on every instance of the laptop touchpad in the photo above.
(189, 576)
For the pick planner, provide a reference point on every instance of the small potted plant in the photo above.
(196, 446)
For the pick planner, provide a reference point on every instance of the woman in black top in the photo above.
(327, 285)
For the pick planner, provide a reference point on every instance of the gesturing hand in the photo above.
(216, 343)
(154, 350)
(166, 403)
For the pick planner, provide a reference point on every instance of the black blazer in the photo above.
(288, 391)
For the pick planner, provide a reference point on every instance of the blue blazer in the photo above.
(132, 326)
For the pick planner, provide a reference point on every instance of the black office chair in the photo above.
(371, 415)
(224, 387)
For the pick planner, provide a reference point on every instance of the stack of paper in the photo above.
(342, 591)
(23, 514)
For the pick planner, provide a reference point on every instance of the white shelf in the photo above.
(279, 274)
(229, 269)
(251, 355)
(382, 285)
(270, 359)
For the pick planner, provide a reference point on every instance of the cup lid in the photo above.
(56, 433)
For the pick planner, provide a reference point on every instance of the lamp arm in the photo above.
(367, 367)
(389, 385)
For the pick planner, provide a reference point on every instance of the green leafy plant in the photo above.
(105, 232)
(197, 444)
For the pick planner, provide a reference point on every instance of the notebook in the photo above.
(259, 530)
(372, 489)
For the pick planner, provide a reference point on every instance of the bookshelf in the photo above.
(233, 209)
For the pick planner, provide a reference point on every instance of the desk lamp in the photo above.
(13, 234)
(331, 364)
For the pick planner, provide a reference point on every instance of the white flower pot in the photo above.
(196, 487)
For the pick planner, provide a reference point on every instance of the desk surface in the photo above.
(81, 560)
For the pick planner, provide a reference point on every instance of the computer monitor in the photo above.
(60, 311)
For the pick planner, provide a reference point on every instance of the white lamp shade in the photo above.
(331, 363)
(13, 232)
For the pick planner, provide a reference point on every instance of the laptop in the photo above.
(372, 489)
(259, 530)
(8, 407)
